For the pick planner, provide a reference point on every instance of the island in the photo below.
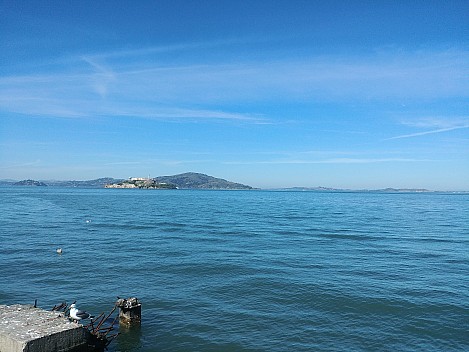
(29, 183)
(188, 180)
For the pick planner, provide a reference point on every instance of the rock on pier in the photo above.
(24, 328)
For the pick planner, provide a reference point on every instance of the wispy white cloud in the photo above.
(139, 86)
(41, 106)
(176, 113)
(20, 165)
(417, 134)
(330, 161)
(437, 125)
(150, 162)
(367, 161)
(77, 108)
(102, 77)
(152, 51)
(120, 163)
(437, 122)
(415, 76)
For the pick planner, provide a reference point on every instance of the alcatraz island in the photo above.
(188, 180)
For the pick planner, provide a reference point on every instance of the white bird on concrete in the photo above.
(78, 314)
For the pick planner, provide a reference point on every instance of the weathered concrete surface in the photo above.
(24, 328)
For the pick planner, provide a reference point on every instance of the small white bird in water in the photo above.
(59, 250)
(77, 314)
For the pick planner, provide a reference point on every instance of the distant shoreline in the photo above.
(6, 184)
(192, 180)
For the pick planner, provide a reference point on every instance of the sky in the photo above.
(344, 94)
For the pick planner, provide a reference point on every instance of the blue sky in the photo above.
(359, 94)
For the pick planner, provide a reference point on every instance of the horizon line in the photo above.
(302, 188)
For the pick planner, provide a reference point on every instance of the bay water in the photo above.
(247, 270)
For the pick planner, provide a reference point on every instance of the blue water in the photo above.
(247, 270)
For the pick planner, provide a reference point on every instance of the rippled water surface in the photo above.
(247, 270)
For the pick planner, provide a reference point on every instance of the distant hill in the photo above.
(403, 190)
(192, 180)
(97, 183)
(384, 190)
(29, 183)
(7, 182)
(312, 189)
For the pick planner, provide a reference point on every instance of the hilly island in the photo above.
(189, 180)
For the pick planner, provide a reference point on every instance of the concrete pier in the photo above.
(24, 328)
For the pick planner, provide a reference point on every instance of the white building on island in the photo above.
(139, 178)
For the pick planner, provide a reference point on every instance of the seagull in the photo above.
(77, 314)
(59, 251)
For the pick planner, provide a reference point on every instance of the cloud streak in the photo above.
(102, 77)
(441, 124)
(20, 165)
(331, 161)
(418, 134)
(143, 87)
